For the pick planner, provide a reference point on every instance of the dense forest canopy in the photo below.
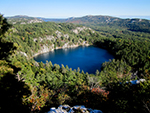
(46, 85)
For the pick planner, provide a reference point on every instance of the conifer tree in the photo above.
(11, 90)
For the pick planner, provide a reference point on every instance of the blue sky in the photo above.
(74, 8)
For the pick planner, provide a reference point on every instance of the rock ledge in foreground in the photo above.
(74, 109)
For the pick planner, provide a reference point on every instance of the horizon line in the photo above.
(119, 16)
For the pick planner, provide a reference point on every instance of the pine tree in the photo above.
(11, 90)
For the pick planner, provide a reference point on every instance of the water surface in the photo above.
(89, 59)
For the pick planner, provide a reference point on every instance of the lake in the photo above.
(89, 59)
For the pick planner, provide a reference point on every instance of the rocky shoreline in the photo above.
(46, 49)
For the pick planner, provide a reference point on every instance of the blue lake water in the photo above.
(89, 59)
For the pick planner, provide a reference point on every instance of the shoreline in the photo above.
(72, 46)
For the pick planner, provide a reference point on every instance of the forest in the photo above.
(28, 86)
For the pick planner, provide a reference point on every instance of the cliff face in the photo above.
(44, 49)
(47, 48)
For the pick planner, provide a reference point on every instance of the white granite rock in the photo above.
(74, 109)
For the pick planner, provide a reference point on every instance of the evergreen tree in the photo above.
(11, 90)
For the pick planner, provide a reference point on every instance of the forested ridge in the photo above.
(39, 86)
(105, 23)
(135, 24)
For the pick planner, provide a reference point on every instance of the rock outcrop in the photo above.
(79, 29)
(44, 49)
(74, 109)
(58, 33)
(23, 53)
(66, 45)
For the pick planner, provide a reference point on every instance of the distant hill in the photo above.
(140, 25)
(51, 19)
(95, 22)
(92, 19)
(23, 19)
(132, 24)
(56, 19)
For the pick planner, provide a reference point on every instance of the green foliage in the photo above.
(134, 53)
(12, 90)
(21, 19)
(33, 38)
(52, 85)
(108, 22)
(125, 97)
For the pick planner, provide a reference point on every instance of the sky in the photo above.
(75, 8)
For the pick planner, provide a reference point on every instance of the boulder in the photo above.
(74, 109)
